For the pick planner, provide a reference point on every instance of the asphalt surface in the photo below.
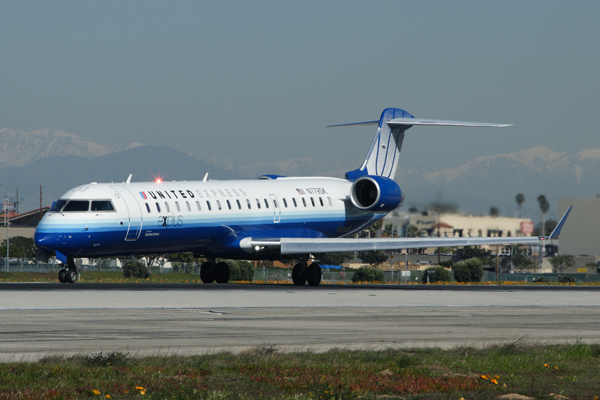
(46, 319)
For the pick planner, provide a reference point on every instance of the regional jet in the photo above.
(271, 217)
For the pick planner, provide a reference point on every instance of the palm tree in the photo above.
(494, 211)
(544, 206)
(520, 199)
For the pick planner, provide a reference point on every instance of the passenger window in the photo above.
(239, 204)
(274, 203)
(329, 199)
(208, 205)
(167, 207)
(321, 201)
(102, 205)
(258, 203)
(198, 205)
(294, 200)
(187, 203)
(157, 207)
(312, 201)
(266, 203)
(228, 204)
(284, 203)
(77, 206)
(148, 208)
(249, 205)
(218, 204)
(177, 205)
(304, 201)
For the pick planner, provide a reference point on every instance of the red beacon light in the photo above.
(158, 179)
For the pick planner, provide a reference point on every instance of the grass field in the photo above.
(537, 371)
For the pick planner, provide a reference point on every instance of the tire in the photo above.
(207, 272)
(313, 274)
(299, 274)
(71, 276)
(221, 272)
(62, 276)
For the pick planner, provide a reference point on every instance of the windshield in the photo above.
(102, 205)
(77, 205)
(57, 205)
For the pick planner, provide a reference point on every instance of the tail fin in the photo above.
(382, 159)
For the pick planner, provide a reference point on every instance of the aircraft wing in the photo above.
(327, 245)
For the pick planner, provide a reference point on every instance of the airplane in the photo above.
(269, 218)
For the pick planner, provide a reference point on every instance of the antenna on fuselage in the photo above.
(205, 177)
(129, 179)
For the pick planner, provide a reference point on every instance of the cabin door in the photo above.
(276, 209)
(132, 207)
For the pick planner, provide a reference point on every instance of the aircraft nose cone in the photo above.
(45, 241)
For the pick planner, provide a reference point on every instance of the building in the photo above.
(581, 235)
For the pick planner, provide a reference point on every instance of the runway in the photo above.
(39, 320)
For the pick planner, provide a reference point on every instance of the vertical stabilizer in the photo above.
(382, 158)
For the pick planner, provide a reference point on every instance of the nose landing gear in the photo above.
(69, 274)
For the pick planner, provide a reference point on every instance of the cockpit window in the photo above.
(57, 205)
(102, 205)
(77, 205)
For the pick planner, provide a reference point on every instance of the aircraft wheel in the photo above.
(71, 275)
(299, 274)
(221, 272)
(207, 272)
(62, 276)
(313, 274)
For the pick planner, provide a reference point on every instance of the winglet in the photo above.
(560, 224)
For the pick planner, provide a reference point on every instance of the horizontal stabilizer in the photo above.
(441, 122)
(425, 122)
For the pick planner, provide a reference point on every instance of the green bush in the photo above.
(566, 279)
(240, 270)
(368, 274)
(436, 274)
(135, 269)
(470, 270)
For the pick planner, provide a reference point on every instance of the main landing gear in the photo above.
(302, 274)
(211, 272)
(69, 274)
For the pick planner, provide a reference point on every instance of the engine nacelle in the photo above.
(376, 194)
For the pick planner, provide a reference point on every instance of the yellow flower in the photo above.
(142, 392)
(495, 382)
(95, 392)
(139, 388)
(483, 377)
(546, 365)
(496, 376)
(556, 368)
(107, 396)
(504, 385)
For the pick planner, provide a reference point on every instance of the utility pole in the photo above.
(40, 202)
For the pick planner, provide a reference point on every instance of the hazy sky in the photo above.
(259, 80)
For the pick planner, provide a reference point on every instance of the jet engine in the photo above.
(376, 194)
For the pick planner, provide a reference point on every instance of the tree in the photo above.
(368, 274)
(494, 211)
(334, 258)
(135, 269)
(470, 270)
(443, 207)
(20, 247)
(473, 252)
(436, 274)
(520, 260)
(374, 257)
(544, 207)
(412, 231)
(240, 270)
(561, 262)
(520, 199)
